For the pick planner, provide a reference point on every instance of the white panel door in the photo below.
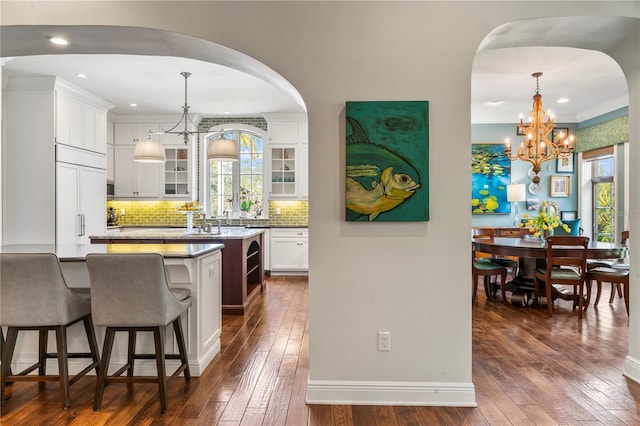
(93, 202)
(68, 219)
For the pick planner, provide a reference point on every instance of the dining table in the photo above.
(531, 253)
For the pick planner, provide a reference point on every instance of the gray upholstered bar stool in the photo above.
(130, 293)
(35, 296)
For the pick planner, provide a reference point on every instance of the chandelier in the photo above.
(152, 151)
(537, 146)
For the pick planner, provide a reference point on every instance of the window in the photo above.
(603, 196)
(236, 186)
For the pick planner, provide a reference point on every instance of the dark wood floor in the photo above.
(528, 370)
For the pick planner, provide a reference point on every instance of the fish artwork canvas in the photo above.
(490, 175)
(387, 161)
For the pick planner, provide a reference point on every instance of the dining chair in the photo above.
(482, 265)
(604, 263)
(130, 293)
(35, 297)
(564, 268)
(509, 262)
(615, 273)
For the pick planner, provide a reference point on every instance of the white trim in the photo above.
(391, 393)
(632, 369)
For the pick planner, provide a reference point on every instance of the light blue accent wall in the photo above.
(495, 133)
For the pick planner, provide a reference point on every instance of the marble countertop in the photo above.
(78, 252)
(226, 232)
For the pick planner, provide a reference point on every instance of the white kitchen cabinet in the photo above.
(133, 179)
(130, 133)
(283, 171)
(30, 172)
(80, 203)
(80, 119)
(289, 250)
(177, 172)
(289, 150)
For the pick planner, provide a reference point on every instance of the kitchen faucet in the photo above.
(203, 216)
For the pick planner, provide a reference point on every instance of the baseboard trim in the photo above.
(391, 393)
(632, 369)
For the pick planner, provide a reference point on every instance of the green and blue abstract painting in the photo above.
(387, 161)
(490, 175)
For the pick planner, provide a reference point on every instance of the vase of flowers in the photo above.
(544, 223)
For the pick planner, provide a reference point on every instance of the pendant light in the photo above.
(222, 149)
(149, 151)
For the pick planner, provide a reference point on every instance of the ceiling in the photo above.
(591, 81)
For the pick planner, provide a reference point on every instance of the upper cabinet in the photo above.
(81, 119)
(171, 180)
(288, 149)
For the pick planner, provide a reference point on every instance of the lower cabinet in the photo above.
(289, 249)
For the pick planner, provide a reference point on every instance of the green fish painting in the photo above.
(381, 182)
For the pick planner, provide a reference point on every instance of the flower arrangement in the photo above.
(545, 222)
(245, 202)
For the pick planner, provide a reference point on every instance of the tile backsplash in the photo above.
(163, 213)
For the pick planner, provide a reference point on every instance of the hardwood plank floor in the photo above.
(528, 370)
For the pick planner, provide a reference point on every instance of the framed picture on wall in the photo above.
(565, 164)
(568, 215)
(559, 186)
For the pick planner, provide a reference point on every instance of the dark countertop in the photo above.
(78, 252)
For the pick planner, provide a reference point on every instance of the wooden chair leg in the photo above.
(626, 296)
(549, 299)
(63, 365)
(598, 292)
(182, 347)
(158, 337)
(104, 367)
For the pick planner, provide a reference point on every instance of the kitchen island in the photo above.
(195, 267)
(242, 259)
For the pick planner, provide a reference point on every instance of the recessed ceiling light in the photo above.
(563, 100)
(80, 75)
(227, 112)
(133, 105)
(59, 41)
(494, 103)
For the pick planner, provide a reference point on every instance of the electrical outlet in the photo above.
(384, 341)
(121, 212)
(277, 210)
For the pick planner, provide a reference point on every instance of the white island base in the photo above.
(200, 272)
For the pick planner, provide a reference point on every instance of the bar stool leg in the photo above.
(158, 334)
(43, 335)
(131, 352)
(93, 343)
(104, 367)
(182, 347)
(63, 367)
(7, 356)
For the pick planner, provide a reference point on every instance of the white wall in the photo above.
(412, 279)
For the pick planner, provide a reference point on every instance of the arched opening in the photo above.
(504, 64)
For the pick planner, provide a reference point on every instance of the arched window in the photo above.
(237, 187)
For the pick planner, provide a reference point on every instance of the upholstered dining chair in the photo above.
(35, 297)
(564, 269)
(482, 265)
(130, 293)
(616, 273)
(616, 287)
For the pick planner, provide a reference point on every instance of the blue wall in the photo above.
(495, 133)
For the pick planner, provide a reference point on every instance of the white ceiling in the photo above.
(592, 81)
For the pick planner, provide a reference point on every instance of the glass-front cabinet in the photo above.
(177, 173)
(283, 171)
